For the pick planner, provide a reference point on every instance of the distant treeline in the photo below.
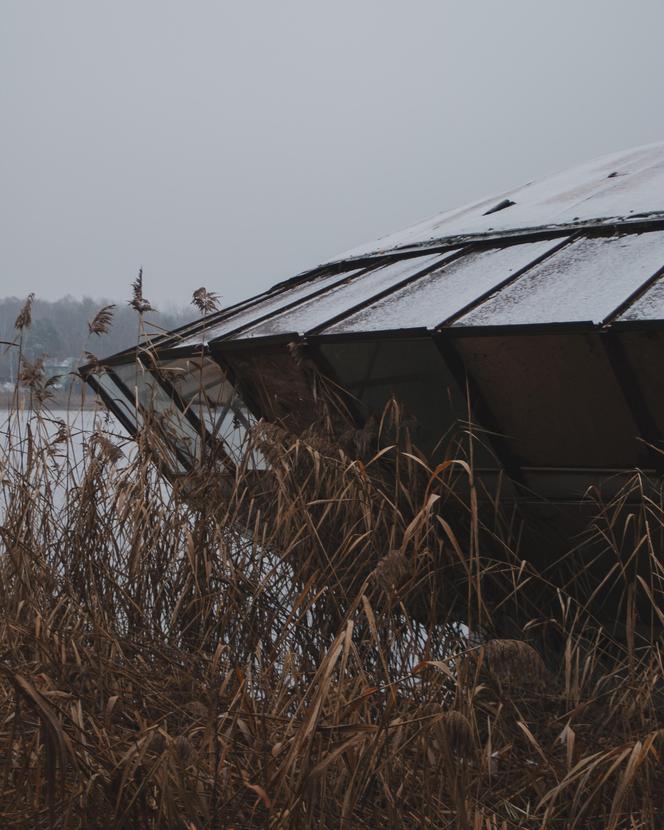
(59, 330)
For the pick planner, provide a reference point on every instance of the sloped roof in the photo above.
(585, 245)
(582, 246)
(619, 187)
(594, 279)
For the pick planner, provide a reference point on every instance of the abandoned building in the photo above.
(536, 316)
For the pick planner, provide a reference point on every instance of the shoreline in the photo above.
(72, 400)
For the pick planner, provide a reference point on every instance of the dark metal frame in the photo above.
(300, 301)
(110, 404)
(568, 240)
(127, 392)
(599, 227)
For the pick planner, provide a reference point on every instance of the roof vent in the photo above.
(613, 175)
(500, 206)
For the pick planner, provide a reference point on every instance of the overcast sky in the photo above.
(232, 145)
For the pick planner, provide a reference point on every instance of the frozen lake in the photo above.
(64, 432)
(14, 426)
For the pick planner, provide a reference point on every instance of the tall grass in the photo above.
(334, 642)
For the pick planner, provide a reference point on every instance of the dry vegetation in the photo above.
(293, 651)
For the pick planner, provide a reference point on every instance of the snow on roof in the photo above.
(586, 245)
(617, 187)
(445, 292)
(585, 281)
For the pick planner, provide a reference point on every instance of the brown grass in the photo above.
(338, 642)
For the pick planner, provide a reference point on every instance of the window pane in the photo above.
(650, 306)
(343, 298)
(204, 390)
(157, 405)
(585, 281)
(271, 305)
(119, 401)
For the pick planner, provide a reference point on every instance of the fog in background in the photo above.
(232, 145)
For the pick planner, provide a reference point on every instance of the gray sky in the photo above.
(232, 145)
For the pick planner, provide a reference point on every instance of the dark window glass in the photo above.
(555, 398)
(412, 371)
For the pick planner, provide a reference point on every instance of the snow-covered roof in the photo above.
(583, 246)
(619, 187)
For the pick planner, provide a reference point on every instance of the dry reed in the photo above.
(338, 642)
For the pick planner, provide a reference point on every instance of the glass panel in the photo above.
(126, 408)
(434, 298)
(650, 306)
(343, 298)
(233, 426)
(174, 426)
(205, 392)
(118, 399)
(585, 281)
(204, 389)
(200, 382)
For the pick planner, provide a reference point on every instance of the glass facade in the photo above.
(194, 412)
(203, 390)
(412, 371)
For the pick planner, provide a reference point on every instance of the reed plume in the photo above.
(24, 318)
(205, 301)
(101, 322)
